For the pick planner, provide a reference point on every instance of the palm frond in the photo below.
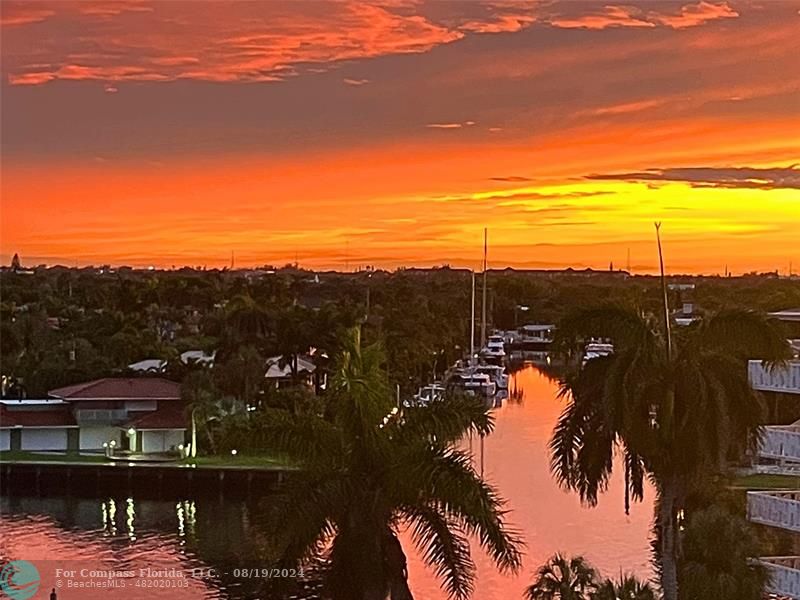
(307, 439)
(744, 334)
(450, 484)
(443, 546)
(563, 578)
(306, 508)
(582, 446)
(623, 325)
(449, 420)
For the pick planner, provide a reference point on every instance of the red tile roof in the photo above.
(119, 388)
(60, 417)
(164, 418)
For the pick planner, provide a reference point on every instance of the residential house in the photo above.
(143, 414)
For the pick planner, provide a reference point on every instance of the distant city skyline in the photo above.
(391, 133)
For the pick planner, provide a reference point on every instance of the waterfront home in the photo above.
(279, 370)
(143, 414)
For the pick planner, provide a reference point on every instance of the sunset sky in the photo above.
(391, 133)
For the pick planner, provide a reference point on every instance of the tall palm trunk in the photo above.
(668, 542)
(396, 567)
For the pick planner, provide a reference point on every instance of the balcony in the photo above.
(784, 575)
(784, 379)
(100, 416)
(775, 509)
(781, 442)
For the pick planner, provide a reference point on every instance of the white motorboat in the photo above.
(596, 350)
(496, 373)
(495, 348)
(472, 384)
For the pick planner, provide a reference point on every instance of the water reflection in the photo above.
(131, 532)
(516, 460)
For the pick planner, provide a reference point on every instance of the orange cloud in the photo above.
(229, 41)
(689, 15)
(609, 16)
(20, 14)
(692, 15)
(225, 41)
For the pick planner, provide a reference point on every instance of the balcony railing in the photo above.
(784, 575)
(780, 379)
(776, 509)
(780, 442)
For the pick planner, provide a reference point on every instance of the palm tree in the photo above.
(706, 572)
(562, 578)
(676, 412)
(242, 375)
(627, 587)
(200, 397)
(370, 471)
(247, 319)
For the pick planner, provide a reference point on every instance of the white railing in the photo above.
(780, 379)
(784, 574)
(776, 509)
(780, 442)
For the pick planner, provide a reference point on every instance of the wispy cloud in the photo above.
(454, 125)
(628, 15)
(511, 178)
(13, 14)
(230, 41)
(355, 82)
(717, 177)
(220, 41)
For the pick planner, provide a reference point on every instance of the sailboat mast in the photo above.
(472, 322)
(483, 303)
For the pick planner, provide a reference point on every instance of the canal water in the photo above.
(134, 534)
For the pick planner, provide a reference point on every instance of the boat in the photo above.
(494, 351)
(427, 394)
(596, 350)
(496, 373)
(533, 337)
(472, 383)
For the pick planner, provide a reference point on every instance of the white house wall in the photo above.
(43, 439)
(161, 440)
(93, 438)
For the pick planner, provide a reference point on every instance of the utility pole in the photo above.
(483, 303)
(472, 322)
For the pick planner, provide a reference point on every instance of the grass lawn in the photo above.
(765, 481)
(264, 461)
(24, 456)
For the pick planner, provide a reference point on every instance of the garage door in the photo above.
(161, 440)
(93, 438)
(44, 439)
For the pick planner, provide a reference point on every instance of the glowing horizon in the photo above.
(390, 134)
